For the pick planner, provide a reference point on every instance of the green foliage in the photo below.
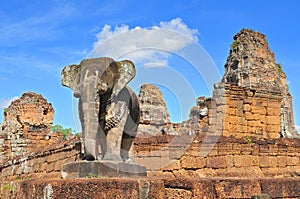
(77, 135)
(254, 161)
(61, 129)
(90, 175)
(8, 187)
(234, 44)
(279, 68)
(248, 139)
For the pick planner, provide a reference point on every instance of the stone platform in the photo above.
(146, 187)
(106, 169)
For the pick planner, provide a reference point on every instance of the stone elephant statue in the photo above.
(109, 110)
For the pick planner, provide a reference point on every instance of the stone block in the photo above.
(102, 169)
(153, 163)
(228, 189)
(236, 149)
(254, 123)
(273, 128)
(233, 119)
(193, 151)
(247, 149)
(167, 174)
(227, 125)
(243, 161)
(251, 129)
(273, 120)
(231, 111)
(263, 149)
(182, 173)
(273, 150)
(251, 187)
(274, 135)
(229, 161)
(281, 160)
(273, 111)
(292, 161)
(280, 188)
(190, 162)
(208, 150)
(233, 103)
(175, 152)
(246, 107)
(174, 165)
(177, 193)
(218, 162)
(267, 161)
(258, 110)
(249, 116)
(293, 151)
(282, 150)
(224, 148)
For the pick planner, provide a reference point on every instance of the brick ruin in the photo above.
(255, 96)
(26, 127)
(154, 114)
(252, 99)
(243, 140)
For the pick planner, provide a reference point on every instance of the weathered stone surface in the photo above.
(245, 157)
(143, 188)
(44, 161)
(230, 157)
(26, 127)
(154, 117)
(251, 64)
(102, 169)
(253, 98)
(242, 162)
(108, 110)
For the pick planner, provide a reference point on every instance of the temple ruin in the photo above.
(237, 143)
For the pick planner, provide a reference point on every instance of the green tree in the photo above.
(61, 129)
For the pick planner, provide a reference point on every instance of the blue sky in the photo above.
(39, 38)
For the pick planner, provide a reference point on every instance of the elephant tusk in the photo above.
(86, 74)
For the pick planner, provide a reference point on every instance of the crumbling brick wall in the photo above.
(45, 162)
(251, 112)
(213, 156)
(256, 94)
(26, 127)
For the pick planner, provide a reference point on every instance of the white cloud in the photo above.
(297, 127)
(150, 46)
(4, 103)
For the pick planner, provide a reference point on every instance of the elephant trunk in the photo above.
(89, 117)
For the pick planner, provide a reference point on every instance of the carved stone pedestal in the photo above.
(102, 169)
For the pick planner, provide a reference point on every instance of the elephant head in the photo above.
(105, 72)
(97, 83)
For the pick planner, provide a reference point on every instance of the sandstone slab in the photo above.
(88, 169)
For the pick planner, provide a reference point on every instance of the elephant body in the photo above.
(109, 110)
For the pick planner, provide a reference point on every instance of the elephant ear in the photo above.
(126, 72)
(69, 76)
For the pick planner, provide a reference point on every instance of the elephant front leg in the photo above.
(91, 143)
(116, 119)
(90, 136)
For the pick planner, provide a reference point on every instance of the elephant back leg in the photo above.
(130, 129)
(114, 140)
